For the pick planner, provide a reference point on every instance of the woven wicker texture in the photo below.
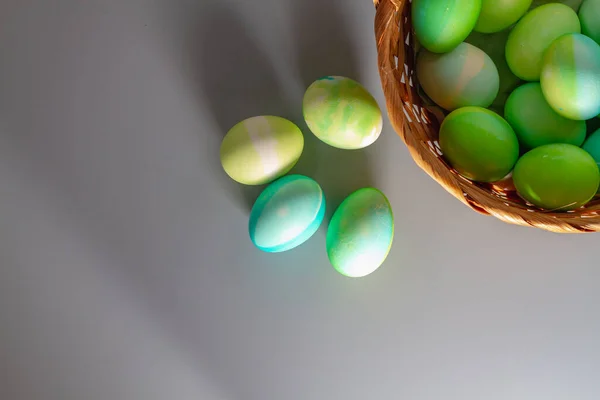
(417, 123)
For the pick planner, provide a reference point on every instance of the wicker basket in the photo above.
(418, 124)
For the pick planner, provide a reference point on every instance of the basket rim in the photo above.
(408, 115)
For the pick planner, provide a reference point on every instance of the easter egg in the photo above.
(479, 144)
(441, 26)
(574, 4)
(465, 76)
(536, 123)
(592, 146)
(259, 150)
(286, 214)
(360, 233)
(498, 15)
(342, 113)
(557, 177)
(589, 15)
(571, 76)
(534, 33)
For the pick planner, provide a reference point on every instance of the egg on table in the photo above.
(498, 15)
(286, 214)
(557, 177)
(465, 76)
(441, 26)
(342, 113)
(261, 149)
(479, 144)
(589, 15)
(571, 76)
(536, 123)
(534, 33)
(360, 233)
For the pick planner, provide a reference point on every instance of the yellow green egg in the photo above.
(574, 4)
(557, 177)
(589, 15)
(534, 33)
(342, 113)
(261, 149)
(536, 123)
(479, 144)
(465, 76)
(440, 26)
(497, 15)
(571, 76)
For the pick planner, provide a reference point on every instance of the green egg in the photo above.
(465, 76)
(589, 15)
(534, 33)
(571, 76)
(536, 123)
(479, 144)
(557, 177)
(574, 4)
(497, 15)
(440, 26)
(592, 146)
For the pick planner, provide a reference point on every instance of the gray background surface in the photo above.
(126, 271)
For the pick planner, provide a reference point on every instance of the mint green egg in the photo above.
(534, 33)
(497, 15)
(465, 76)
(342, 113)
(589, 15)
(592, 146)
(536, 123)
(360, 233)
(557, 177)
(286, 214)
(440, 26)
(259, 150)
(479, 144)
(571, 76)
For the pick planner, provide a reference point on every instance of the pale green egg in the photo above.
(465, 76)
(497, 15)
(571, 76)
(259, 150)
(360, 233)
(534, 33)
(589, 15)
(342, 113)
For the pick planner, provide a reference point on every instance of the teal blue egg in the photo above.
(360, 233)
(286, 214)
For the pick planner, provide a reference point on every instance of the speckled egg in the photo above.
(342, 113)
(557, 177)
(589, 15)
(571, 76)
(479, 144)
(498, 15)
(286, 214)
(441, 26)
(360, 233)
(465, 76)
(259, 150)
(536, 123)
(534, 33)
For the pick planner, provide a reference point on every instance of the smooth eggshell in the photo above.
(574, 4)
(479, 144)
(536, 123)
(360, 233)
(441, 26)
(286, 214)
(557, 177)
(466, 76)
(592, 146)
(589, 15)
(259, 150)
(497, 15)
(571, 76)
(534, 33)
(342, 113)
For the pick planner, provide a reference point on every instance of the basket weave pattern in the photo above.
(418, 126)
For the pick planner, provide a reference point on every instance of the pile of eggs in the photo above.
(262, 150)
(519, 79)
